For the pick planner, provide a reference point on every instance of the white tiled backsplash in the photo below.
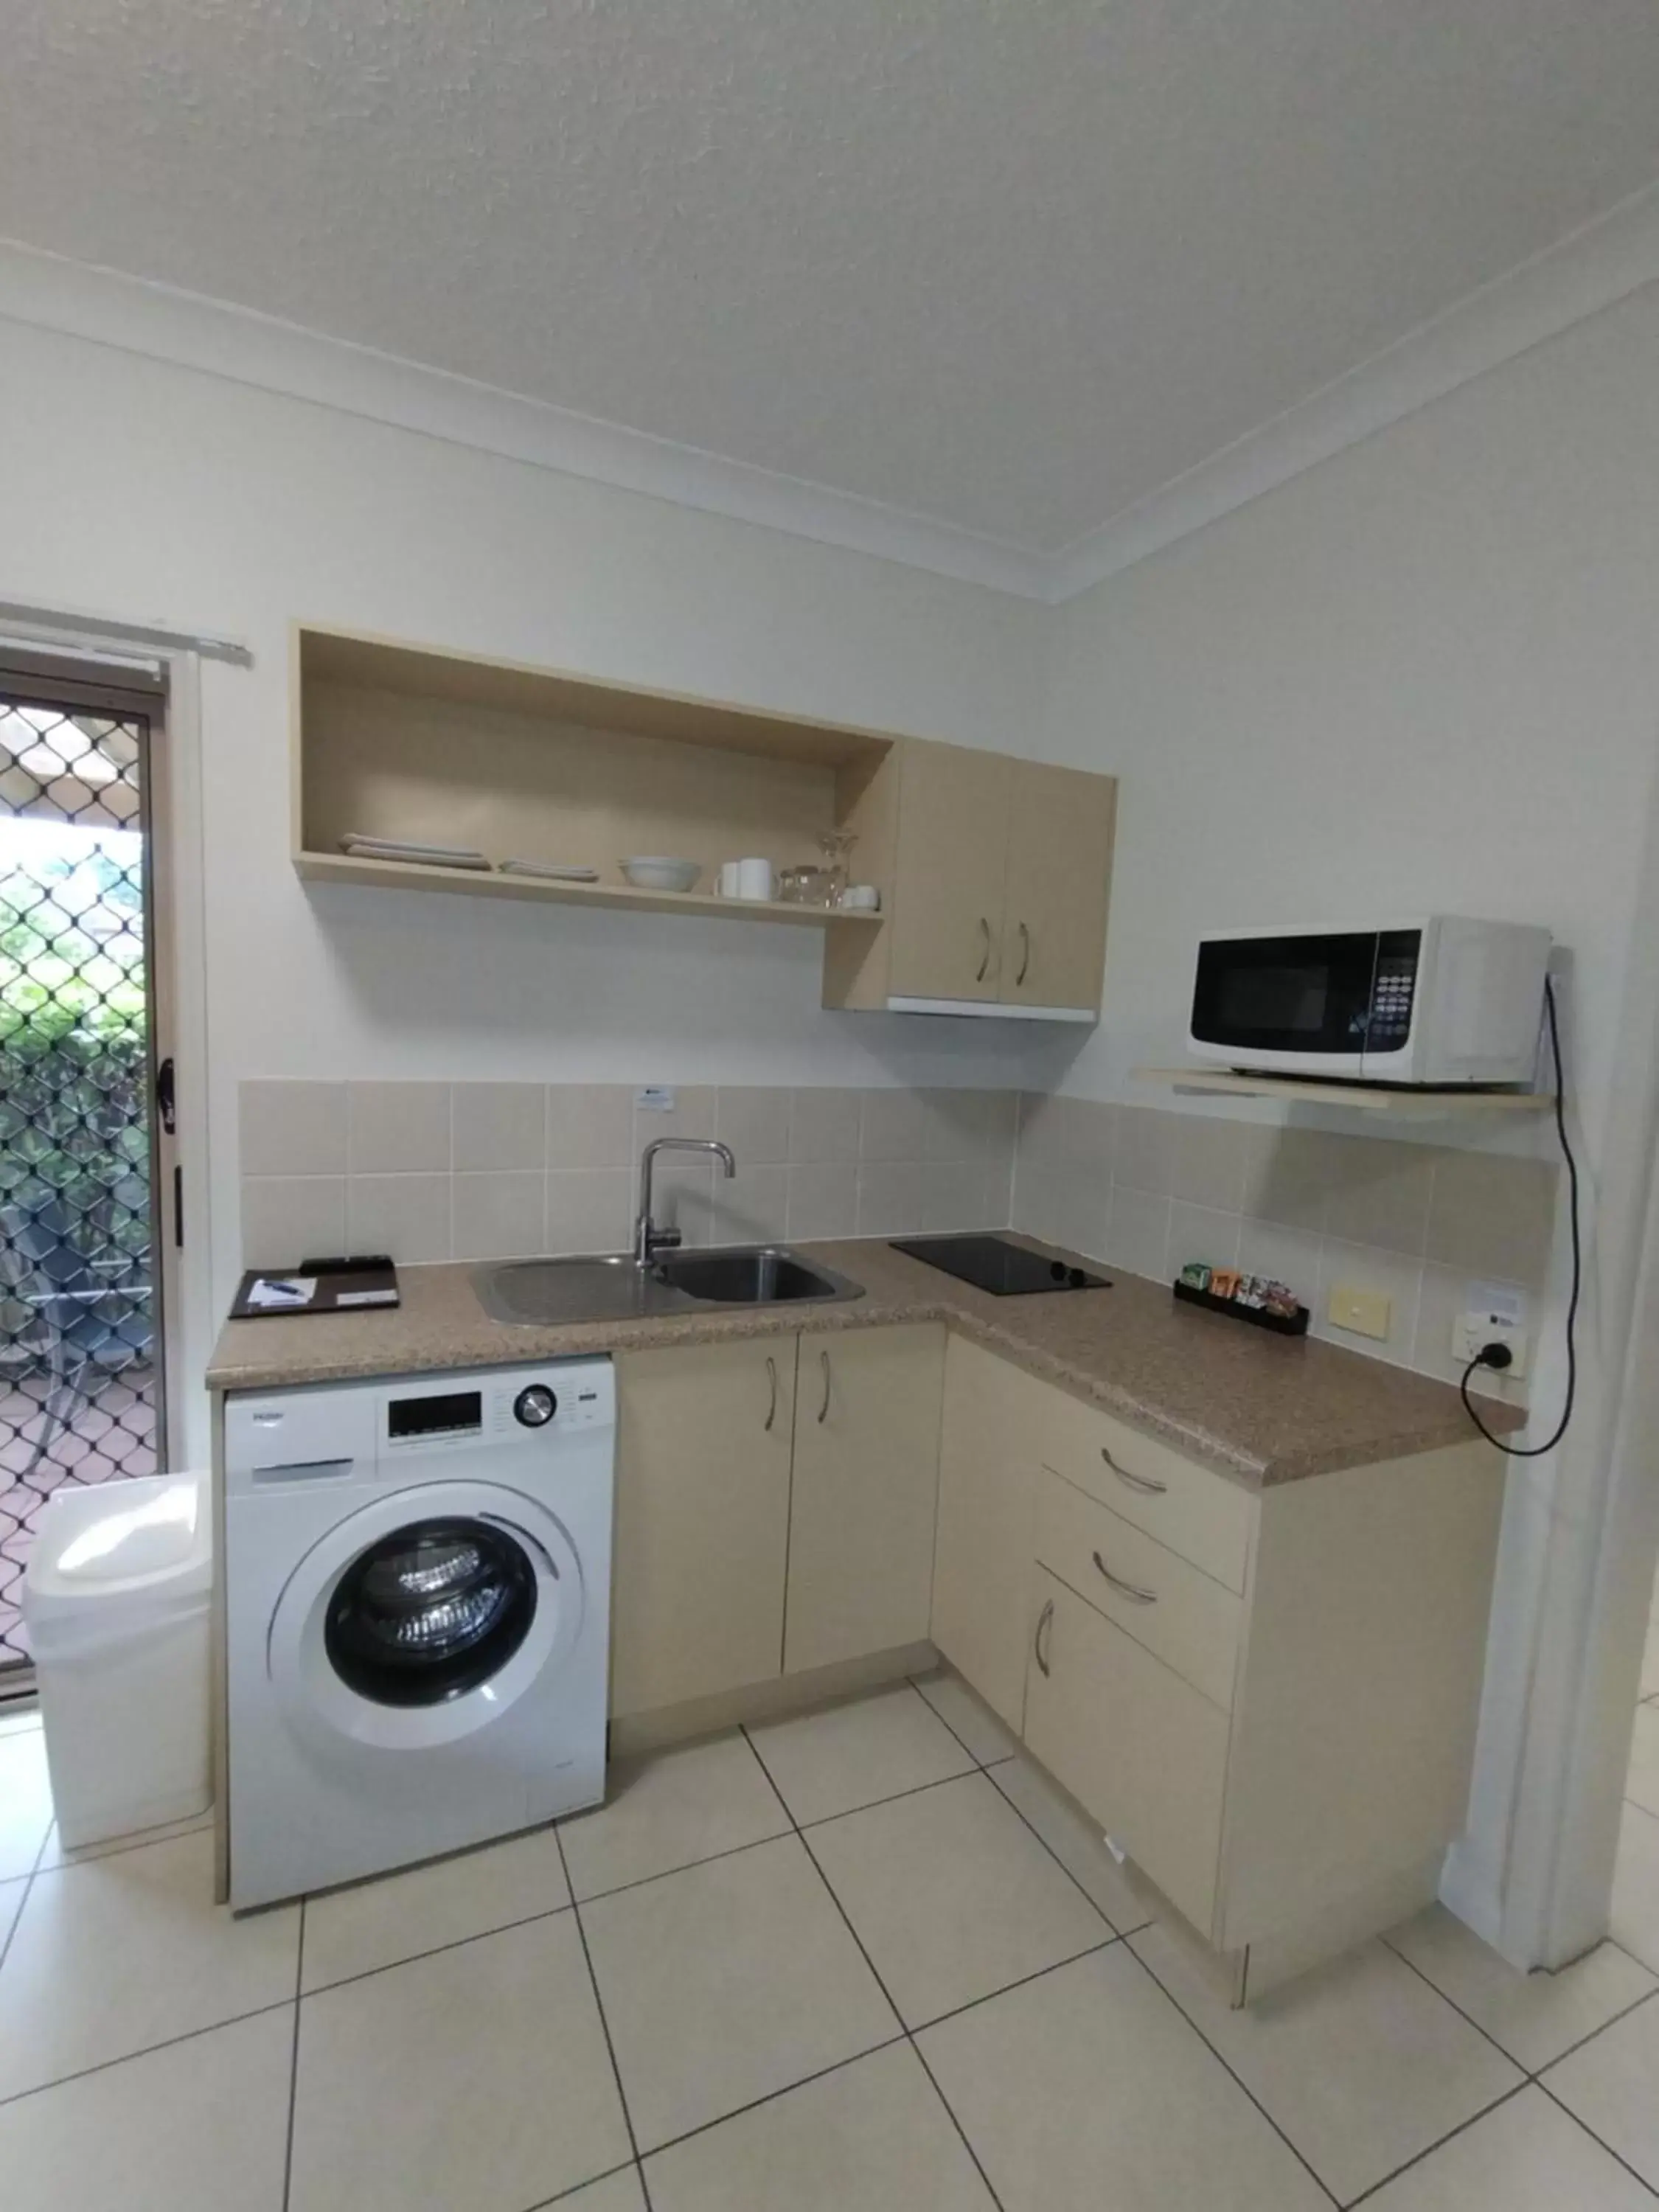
(500, 1170)
(497, 1170)
(1147, 1190)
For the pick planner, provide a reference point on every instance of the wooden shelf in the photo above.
(349, 868)
(1404, 1105)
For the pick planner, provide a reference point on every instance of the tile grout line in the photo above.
(1532, 2073)
(1417, 2158)
(870, 1963)
(605, 2025)
(294, 2060)
(1619, 2159)
(985, 1766)
(166, 2043)
(1319, 2180)
(1646, 1997)
(547, 2203)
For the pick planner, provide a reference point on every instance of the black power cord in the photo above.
(1498, 1356)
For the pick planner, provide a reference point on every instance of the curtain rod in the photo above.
(77, 626)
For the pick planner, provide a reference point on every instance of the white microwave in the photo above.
(1442, 1001)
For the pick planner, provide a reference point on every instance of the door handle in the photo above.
(1024, 956)
(167, 1096)
(823, 1410)
(772, 1410)
(985, 958)
(1045, 1619)
(1132, 1590)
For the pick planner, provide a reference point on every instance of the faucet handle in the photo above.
(665, 1240)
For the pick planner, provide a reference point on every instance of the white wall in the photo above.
(1423, 675)
(151, 492)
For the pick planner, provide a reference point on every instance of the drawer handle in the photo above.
(1132, 1590)
(1045, 1619)
(823, 1410)
(1141, 1482)
(1025, 955)
(772, 1411)
(985, 958)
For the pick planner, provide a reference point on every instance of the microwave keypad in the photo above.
(1390, 1023)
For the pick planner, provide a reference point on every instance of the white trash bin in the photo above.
(116, 1597)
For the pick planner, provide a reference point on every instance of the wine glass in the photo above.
(836, 844)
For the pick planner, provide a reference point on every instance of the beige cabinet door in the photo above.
(1137, 1748)
(866, 1478)
(987, 1492)
(702, 1520)
(948, 872)
(1058, 886)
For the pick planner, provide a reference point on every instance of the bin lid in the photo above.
(151, 1534)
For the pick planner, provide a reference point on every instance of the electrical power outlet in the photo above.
(1472, 1332)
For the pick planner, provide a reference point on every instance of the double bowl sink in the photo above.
(613, 1286)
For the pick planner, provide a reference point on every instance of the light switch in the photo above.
(1365, 1313)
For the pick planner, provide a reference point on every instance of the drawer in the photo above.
(1180, 1614)
(1196, 1512)
(1137, 1747)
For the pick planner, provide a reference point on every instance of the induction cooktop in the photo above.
(997, 1264)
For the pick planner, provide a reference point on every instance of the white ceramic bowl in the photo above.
(652, 871)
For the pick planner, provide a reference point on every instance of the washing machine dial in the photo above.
(535, 1406)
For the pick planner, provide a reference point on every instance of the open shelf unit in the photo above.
(1404, 1105)
(404, 742)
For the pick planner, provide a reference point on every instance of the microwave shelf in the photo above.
(1415, 1103)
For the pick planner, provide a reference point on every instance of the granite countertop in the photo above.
(1261, 1408)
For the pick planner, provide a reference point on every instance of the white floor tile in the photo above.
(873, 2136)
(1650, 1662)
(670, 1810)
(952, 1895)
(968, 1716)
(1612, 2083)
(1075, 1841)
(1086, 2089)
(1634, 1919)
(1642, 1786)
(617, 2193)
(24, 1801)
(109, 1958)
(201, 2126)
(476, 2077)
(1360, 2062)
(727, 1982)
(23, 1721)
(1535, 2016)
(832, 1761)
(1527, 2156)
(377, 1924)
(12, 1894)
(54, 1854)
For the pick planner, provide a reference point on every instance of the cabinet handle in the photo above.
(985, 958)
(823, 1410)
(772, 1411)
(1025, 955)
(1045, 1619)
(1129, 1589)
(1141, 1482)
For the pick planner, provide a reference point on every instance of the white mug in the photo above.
(746, 880)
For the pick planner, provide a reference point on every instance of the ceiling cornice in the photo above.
(1592, 269)
(210, 336)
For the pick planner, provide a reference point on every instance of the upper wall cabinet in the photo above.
(1001, 874)
(993, 874)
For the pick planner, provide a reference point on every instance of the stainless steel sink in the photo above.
(611, 1286)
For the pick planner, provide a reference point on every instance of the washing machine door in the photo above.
(424, 1616)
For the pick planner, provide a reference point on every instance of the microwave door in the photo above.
(1299, 1003)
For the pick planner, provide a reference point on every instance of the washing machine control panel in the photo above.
(535, 1406)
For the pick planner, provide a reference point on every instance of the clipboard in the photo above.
(366, 1283)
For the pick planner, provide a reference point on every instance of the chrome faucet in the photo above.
(648, 1239)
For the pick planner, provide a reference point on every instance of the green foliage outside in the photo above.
(74, 1049)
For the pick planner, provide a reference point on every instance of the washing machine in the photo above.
(417, 1577)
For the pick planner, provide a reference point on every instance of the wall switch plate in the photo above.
(656, 1097)
(1362, 1312)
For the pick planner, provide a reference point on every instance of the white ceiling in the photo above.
(1010, 264)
